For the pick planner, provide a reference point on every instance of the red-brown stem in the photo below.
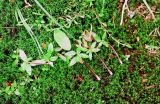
(104, 64)
(120, 61)
(90, 69)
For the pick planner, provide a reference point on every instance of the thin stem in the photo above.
(120, 61)
(104, 64)
(90, 69)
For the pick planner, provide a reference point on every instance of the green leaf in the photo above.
(82, 55)
(128, 45)
(90, 55)
(45, 68)
(22, 55)
(27, 67)
(50, 48)
(79, 49)
(93, 45)
(54, 58)
(7, 90)
(62, 57)
(105, 43)
(62, 39)
(97, 38)
(104, 36)
(70, 54)
(73, 61)
(95, 50)
(14, 84)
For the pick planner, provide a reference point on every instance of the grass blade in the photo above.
(29, 30)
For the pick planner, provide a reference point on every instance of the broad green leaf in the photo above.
(45, 68)
(62, 39)
(151, 47)
(14, 84)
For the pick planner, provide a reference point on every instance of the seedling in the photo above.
(77, 57)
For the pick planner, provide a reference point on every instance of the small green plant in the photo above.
(27, 63)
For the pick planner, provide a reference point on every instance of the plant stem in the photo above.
(122, 15)
(90, 69)
(104, 64)
(120, 61)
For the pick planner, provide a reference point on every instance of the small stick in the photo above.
(90, 69)
(122, 15)
(145, 2)
(104, 64)
(120, 61)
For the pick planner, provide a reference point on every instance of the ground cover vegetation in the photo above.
(79, 51)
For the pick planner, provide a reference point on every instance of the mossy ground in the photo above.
(59, 84)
